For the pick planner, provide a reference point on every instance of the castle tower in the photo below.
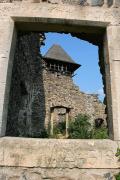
(57, 60)
(60, 68)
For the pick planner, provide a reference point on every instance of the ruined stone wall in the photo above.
(60, 91)
(26, 111)
(34, 91)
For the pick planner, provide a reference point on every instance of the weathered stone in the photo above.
(110, 2)
(22, 159)
(35, 90)
(56, 95)
(116, 3)
(62, 153)
(58, 159)
(71, 2)
(96, 2)
(26, 111)
(11, 173)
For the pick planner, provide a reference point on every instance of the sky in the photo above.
(88, 76)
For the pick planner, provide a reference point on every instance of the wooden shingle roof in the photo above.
(56, 52)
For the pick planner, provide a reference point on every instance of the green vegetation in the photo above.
(118, 154)
(80, 127)
(59, 130)
(117, 176)
(100, 133)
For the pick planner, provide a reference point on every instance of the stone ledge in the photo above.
(21, 173)
(53, 153)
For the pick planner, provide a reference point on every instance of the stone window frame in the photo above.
(73, 27)
(67, 118)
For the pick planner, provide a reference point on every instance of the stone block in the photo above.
(110, 2)
(51, 153)
(96, 2)
(116, 3)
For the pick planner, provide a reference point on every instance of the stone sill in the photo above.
(58, 153)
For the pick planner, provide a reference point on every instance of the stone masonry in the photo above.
(60, 91)
(73, 2)
(32, 159)
(58, 159)
(26, 110)
(35, 90)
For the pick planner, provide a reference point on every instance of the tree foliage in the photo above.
(117, 176)
(100, 133)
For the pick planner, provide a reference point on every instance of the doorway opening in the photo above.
(59, 119)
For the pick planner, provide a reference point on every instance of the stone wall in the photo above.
(22, 158)
(60, 91)
(38, 159)
(26, 111)
(72, 2)
(99, 3)
(12, 173)
(35, 90)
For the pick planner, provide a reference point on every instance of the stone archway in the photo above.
(59, 116)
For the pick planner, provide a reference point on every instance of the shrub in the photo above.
(117, 177)
(59, 130)
(118, 154)
(62, 127)
(80, 127)
(100, 133)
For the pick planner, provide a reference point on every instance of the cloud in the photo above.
(100, 93)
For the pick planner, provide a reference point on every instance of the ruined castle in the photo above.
(63, 98)
(42, 89)
(96, 21)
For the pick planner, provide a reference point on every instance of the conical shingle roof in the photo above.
(56, 52)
